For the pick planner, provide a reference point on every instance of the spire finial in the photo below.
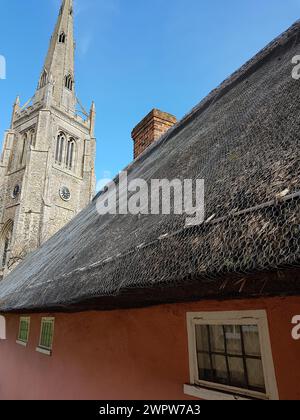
(93, 107)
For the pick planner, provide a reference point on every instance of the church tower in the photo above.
(47, 162)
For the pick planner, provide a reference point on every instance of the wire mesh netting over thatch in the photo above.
(243, 140)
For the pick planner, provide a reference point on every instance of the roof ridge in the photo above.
(235, 77)
(215, 94)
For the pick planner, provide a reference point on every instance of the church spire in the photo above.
(57, 84)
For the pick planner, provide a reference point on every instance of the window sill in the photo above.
(211, 395)
(44, 351)
(61, 168)
(21, 343)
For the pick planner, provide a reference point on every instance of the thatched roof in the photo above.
(244, 140)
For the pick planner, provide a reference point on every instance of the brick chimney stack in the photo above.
(150, 129)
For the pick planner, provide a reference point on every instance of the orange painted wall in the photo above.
(132, 354)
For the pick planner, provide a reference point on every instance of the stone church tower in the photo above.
(47, 163)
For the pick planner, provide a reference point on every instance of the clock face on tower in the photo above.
(64, 193)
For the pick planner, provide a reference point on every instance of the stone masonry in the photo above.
(47, 162)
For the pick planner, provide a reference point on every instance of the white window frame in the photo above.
(21, 342)
(40, 349)
(213, 391)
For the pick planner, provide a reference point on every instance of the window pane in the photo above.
(251, 340)
(5, 252)
(71, 155)
(230, 355)
(202, 338)
(205, 371)
(233, 339)
(23, 330)
(256, 374)
(237, 374)
(68, 155)
(220, 369)
(217, 338)
(47, 334)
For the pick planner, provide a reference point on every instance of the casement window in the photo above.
(230, 356)
(46, 336)
(24, 327)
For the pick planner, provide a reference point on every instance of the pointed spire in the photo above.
(59, 64)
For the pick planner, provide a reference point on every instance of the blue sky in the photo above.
(134, 55)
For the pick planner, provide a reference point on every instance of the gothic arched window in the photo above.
(70, 154)
(6, 236)
(32, 138)
(43, 79)
(5, 252)
(23, 149)
(69, 82)
(60, 144)
(62, 38)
